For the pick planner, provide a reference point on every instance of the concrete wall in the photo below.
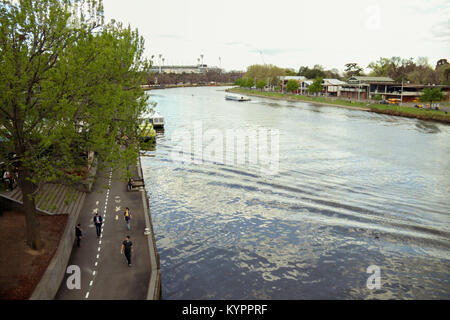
(51, 280)
(154, 286)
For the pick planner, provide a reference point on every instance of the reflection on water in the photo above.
(354, 189)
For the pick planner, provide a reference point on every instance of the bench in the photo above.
(136, 183)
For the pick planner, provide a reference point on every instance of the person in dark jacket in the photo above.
(78, 234)
(98, 221)
(127, 247)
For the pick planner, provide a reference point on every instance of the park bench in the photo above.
(136, 183)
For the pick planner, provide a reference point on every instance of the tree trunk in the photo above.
(32, 222)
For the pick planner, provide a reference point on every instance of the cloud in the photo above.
(273, 51)
(168, 36)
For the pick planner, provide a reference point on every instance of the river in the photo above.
(349, 190)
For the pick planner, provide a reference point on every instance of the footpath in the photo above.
(105, 274)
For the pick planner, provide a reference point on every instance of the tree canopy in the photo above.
(316, 86)
(415, 71)
(292, 85)
(261, 84)
(432, 94)
(266, 72)
(69, 83)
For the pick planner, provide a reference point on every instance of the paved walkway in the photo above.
(105, 273)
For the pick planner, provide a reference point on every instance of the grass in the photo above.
(374, 107)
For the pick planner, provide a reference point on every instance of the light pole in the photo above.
(401, 94)
(160, 56)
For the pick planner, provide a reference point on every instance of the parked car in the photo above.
(384, 102)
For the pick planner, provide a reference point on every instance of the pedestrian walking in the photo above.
(130, 184)
(127, 216)
(78, 234)
(98, 221)
(127, 247)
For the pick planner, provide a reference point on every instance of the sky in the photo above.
(287, 33)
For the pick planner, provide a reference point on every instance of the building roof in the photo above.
(292, 78)
(369, 79)
(334, 82)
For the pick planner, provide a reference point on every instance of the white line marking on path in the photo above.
(96, 263)
(99, 249)
(93, 273)
(98, 256)
(90, 283)
(117, 217)
(87, 295)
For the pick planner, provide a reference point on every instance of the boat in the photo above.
(146, 131)
(155, 119)
(236, 98)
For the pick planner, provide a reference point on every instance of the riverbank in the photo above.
(184, 85)
(408, 112)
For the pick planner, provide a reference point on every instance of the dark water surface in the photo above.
(353, 189)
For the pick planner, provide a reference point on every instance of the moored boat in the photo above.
(236, 98)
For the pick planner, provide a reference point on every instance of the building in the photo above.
(362, 87)
(332, 87)
(366, 88)
(200, 68)
(285, 79)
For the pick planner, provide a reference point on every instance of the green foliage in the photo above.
(267, 72)
(353, 69)
(292, 85)
(377, 97)
(290, 72)
(261, 84)
(315, 72)
(418, 71)
(69, 83)
(432, 94)
(249, 82)
(316, 86)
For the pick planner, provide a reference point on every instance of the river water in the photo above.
(350, 190)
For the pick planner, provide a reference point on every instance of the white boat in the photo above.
(236, 98)
(156, 119)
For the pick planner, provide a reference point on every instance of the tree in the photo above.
(377, 97)
(441, 62)
(380, 68)
(261, 84)
(292, 85)
(249, 82)
(353, 69)
(316, 86)
(315, 72)
(432, 94)
(69, 83)
(266, 72)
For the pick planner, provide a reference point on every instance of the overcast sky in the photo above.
(287, 33)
